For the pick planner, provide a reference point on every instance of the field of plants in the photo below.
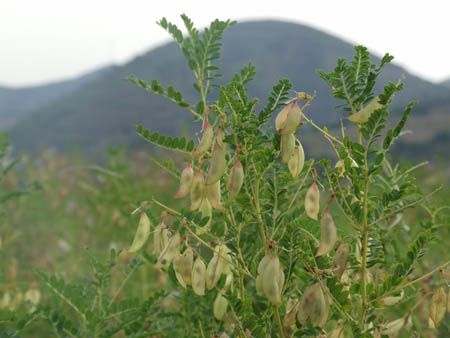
(237, 232)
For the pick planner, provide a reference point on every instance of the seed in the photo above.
(206, 140)
(287, 147)
(169, 252)
(293, 118)
(217, 166)
(273, 281)
(236, 180)
(340, 260)
(220, 306)
(213, 271)
(186, 178)
(297, 161)
(197, 190)
(438, 306)
(312, 201)
(199, 277)
(213, 195)
(363, 115)
(142, 233)
(327, 234)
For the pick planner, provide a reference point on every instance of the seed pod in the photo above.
(217, 166)
(289, 319)
(236, 180)
(438, 306)
(287, 147)
(220, 306)
(6, 300)
(272, 280)
(182, 265)
(186, 178)
(293, 118)
(160, 238)
(338, 332)
(219, 135)
(319, 313)
(226, 258)
(214, 270)
(224, 335)
(312, 201)
(280, 120)
(228, 281)
(206, 211)
(142, 233)
(340, 260)
(392, 300)
(213, 195)
(297, 161)
(177, 262)
(393, 327)
(327, 234)
(169, 252)
(199, 277)
(33, 295)
(197, 191)
(363, 115)
(259, 279)
(340, 165)
(206, 140)
(307, 303)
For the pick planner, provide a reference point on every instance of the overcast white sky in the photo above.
(45, 40)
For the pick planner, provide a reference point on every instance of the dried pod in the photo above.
(160, 238)
(228, 281)
(297, 161)
(206, 140)
(259, 279)
(327, 234)
(363, 115)
(319, 313)
(236, 180)
(142, 233)
(393, 327)
(219, 135)
(186, 265)
(312, 201)
(214, 271)
(438, 306)
(33, 295)
(197, 191)
(340, 165)
(306, 305)
(220, 306)
(169, 252)
(340, 260)
(224, 335)
(287, 147)
(6, 300)
(338, 332)
(289, 319)
(206, 211)
(213, 195)
(226, 257)
(177, 267)
(199, 277)
(292, 119)
(392, 300)
(280, 120)
(217, 166)
(187, 175)
(273, 281)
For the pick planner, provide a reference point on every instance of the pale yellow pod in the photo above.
(214, 271)
(319, 313)
(287, 147)
(177, 263)
(271, 281)
(142, 233)
(289, 319)
(220, 306)
(160, 238)
(218, 164)
(280, 120)
(297, 161)
(186, 268)
(224, 335)
(340, 260)
(363, 115)
(213, 195)
(392, 300)
(206, 211)
(259, 279)
(263, 263)
(338, 332)
(236, 180)
(199, 277)
(33, 295)
(206, 141)
(312, 201)
(6, 300)
(438, 306)
(328, 234)
(197, 191)
(187, 175)
(293, 118)
(394, 326)
(307, 303)
(340, 165)
(220, 136)
(16, 301)
(169, 252)
(226, 257)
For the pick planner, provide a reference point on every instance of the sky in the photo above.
(49, 40)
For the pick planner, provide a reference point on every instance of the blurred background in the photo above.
(74, 167)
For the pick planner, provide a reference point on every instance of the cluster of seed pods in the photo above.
(270, 279)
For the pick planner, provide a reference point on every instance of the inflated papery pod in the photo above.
(363, 115)
(187, 175)
(224, 335)
(206, 211)
(312, 202)
(290, 318)
(33, 296)
(182, 265)
(287, 147)
(199, 277)
(213, 195)
(313, 305)
(327, 234)
(297, 161)
(236, 180)
(218, 164)
(438, 306)
(288, 119)
(197, 191)
(340, 165)
(219, 135)
(220, 306)
(273, 280)
(169, 252)
(214, 270)
(340, 259)
(338, 332)
(393, 327)
(392, 300)
(142, 233)
(160, 238)
(259, 279)
(206, 141)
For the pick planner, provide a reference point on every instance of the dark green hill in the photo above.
(102, 112)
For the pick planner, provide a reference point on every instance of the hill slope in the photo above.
(103, 111)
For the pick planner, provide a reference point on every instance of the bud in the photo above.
(220, 306)
(214, 270)
(160, 238)
(297, 161)
(169, 252)
(363, 115)
(206, 140)
(186, 178)
(273, 280)
(236, 180)
(217, 166)
(287, 147)
(142, 233)
(327, 234)
(197, 191)
(393, 327)
(312, 201)
(438, 306)
(199, 277)
(340, 260)
(213, 195)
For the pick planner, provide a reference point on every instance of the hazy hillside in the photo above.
(446, 83)
(102, 112)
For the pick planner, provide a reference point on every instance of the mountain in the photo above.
(16, 103)
(102, 112)
(445, 83)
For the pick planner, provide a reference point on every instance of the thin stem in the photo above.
(121, 286)
(321, 130)
(280, 325)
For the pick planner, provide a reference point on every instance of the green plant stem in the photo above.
(321, 130)
(277, 316)
(125, 280)
(258, 215)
